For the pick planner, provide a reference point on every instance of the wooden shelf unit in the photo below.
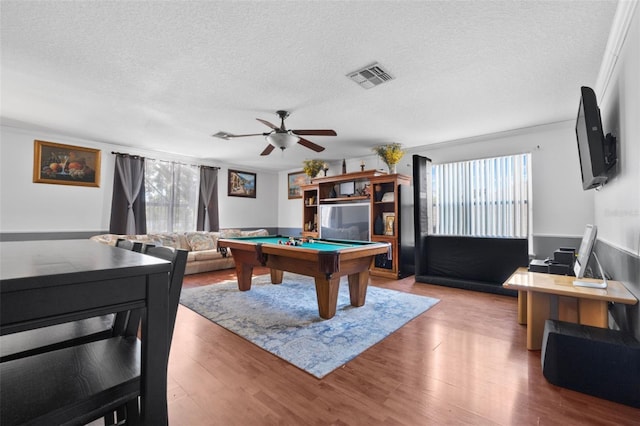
(386, 209)
(310, 211)
(319, 191)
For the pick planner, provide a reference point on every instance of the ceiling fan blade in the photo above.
(266, 123)
(310, 145)
(315, 132)
(227, 135)
(268, 150)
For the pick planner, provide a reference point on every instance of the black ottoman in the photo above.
(596, 361)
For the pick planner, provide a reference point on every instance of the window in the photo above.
(171, 196)
(482, 198)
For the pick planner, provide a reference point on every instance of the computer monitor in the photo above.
(584, 252)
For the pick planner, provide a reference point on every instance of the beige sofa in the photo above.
(202, 246)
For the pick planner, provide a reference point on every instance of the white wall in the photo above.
(239, 212)
(35, 207)
(38, 207)
(617, 204)
(290, 214)
(560, 206)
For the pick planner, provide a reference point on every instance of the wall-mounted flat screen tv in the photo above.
(597, 152)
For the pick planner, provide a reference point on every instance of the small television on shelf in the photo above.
(347, 189)
(597, 152)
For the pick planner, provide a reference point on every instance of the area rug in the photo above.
(283, 319)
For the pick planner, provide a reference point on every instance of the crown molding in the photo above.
(619, 30)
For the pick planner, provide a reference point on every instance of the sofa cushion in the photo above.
(166, 239)
(215, 236)
(230, 233)
(143, 238)
(109, 239)
(200, 241)
(254, 233)
(207, 255)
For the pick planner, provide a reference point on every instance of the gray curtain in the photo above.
(208, 200)
(128, 215)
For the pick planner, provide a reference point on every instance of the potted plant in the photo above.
(312, 167)
(390, 154)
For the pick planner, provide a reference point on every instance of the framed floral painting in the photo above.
(65, 164)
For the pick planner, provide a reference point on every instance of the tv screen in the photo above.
(591, 141)
(347, 188)
(345, 221)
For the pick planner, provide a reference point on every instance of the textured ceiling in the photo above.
(166, 75)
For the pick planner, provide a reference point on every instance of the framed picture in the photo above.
(295, 181)
(241, 184)
(389, 219)
(65, 164)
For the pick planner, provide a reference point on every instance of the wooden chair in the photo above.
(46, 339)
(87, 381)
(178, 258)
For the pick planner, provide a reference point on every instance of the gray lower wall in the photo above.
(622, 266)
(289, 232)
(35, 236)
(544, 246)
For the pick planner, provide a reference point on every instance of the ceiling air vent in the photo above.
(370, 76)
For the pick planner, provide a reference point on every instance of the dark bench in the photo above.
(596, 361)
(474, 263)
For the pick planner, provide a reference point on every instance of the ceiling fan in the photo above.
(280, 137)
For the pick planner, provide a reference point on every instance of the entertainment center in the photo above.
(352, 206)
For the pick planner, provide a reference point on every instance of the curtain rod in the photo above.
(124, 154)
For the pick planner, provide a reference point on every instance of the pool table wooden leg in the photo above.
(244, 272)
(244, 268)
(276, 276)
(358, 288)
(327, 294)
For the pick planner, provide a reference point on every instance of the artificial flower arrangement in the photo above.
(391, 154)
(312, 167)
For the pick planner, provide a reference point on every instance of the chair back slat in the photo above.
(178, 259)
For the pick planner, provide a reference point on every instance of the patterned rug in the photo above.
(283, 319)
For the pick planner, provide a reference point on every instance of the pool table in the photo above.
(324, 260)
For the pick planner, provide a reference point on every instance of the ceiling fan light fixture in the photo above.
(282, 140)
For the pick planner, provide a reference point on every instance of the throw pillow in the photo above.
(199, 241)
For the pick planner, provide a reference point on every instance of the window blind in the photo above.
(484, 198)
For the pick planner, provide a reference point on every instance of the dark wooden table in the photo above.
(50, 282)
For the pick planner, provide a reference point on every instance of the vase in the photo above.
(378, 192)
(378, 226)
(392, 169)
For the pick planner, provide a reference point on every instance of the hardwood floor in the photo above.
(462, 362)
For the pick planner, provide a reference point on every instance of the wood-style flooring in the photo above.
(464, 361)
